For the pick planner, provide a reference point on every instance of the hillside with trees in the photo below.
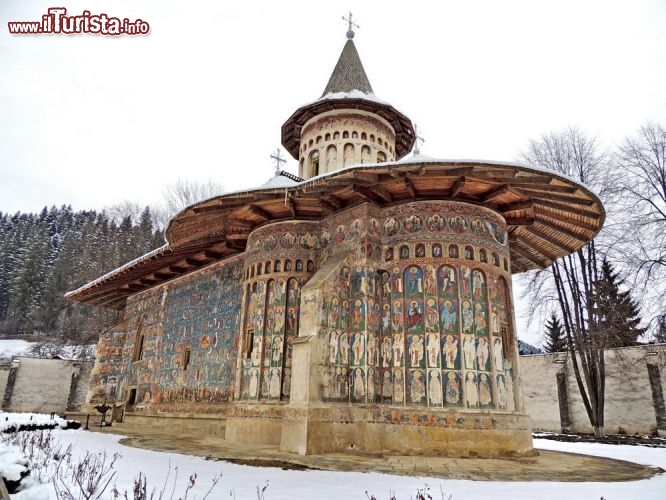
(45, 255)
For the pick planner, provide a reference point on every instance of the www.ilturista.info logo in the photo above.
(58, 22)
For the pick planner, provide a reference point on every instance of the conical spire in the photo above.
(348, 74)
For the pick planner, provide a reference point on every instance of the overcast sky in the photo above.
(92, 120)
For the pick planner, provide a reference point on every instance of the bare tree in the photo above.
(642, 159)
(568, 284)
(184, 193)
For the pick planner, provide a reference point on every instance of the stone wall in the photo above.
(46, 385)
(635, 385)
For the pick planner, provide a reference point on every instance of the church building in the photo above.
(365, 304)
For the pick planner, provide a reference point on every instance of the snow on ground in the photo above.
(322, 485)
(14, 347)
(15, 420)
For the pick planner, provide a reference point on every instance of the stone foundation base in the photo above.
(327, 429)
(255, 423)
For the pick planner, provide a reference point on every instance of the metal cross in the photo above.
(350, 31)
(417, 138)
(278, 161)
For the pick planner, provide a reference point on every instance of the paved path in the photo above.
(546, 466)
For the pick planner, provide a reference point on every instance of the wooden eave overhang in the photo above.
(404, 133)
(548, 216)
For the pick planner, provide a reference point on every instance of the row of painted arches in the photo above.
(345, 135)
(404, 252)
(269, 267)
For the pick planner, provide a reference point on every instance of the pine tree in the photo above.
(617, 314)
(555, 338)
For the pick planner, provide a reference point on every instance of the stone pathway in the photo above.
(545, 466)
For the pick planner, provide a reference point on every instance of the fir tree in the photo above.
(617, 314)
(555, 338)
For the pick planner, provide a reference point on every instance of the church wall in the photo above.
(190, 338)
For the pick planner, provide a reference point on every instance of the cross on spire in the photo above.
(417, 138)
(278, 161)
(350, 29)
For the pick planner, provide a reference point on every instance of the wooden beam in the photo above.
(327, 205)
(383, 193)
(245, 224)
(566, 208)
(564, 230)
(148, 281)
(519, 221)
(516, 206)
(541, 235)
(177, 269)
(409, 185)
(191, 261)
(494, 193)
(524, 242)
(569, 220)
(457, 172)
(260, 212)
(457, 186)
(334, 200)
(556, 197)
(541, 262)
(164, 276)
(212, 254)
(367, 193)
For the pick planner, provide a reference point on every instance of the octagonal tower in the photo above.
(348, 125)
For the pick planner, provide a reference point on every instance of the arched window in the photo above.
(365, 154)
(287, 265)
(327, 137)
(318, 139)
(364, 136)
(299, 265)
(381, 157)
(345, 135)
(453, 251)
(506, 264)
(336, 136)
(267, 267)
(139, 343)
(372, 138)
(259, 269)
(469, 253)
(277, 266)
(496, 260)
(348, 155)
(310, 142)
(354, 135)
(310, 267)
(483, 255)
(314, 163)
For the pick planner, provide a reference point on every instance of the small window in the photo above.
(336, 136)
(277, 266)
(345, 135)
(469, 253)
(267, 267)
(299, 265)
(327, 137)
(354, 135)
(453, 251)
(364, 136)
(139, 344)
(186, 358)
(496, 260)
(404, 252)
(483, 255)
(381, 157)
(249, 342)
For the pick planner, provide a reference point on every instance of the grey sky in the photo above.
(90, 120)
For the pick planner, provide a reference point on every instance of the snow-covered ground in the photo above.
(14, 347)
(240, 482)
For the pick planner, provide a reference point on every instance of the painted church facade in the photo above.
(364, 305)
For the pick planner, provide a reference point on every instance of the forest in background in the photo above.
(45, 255)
